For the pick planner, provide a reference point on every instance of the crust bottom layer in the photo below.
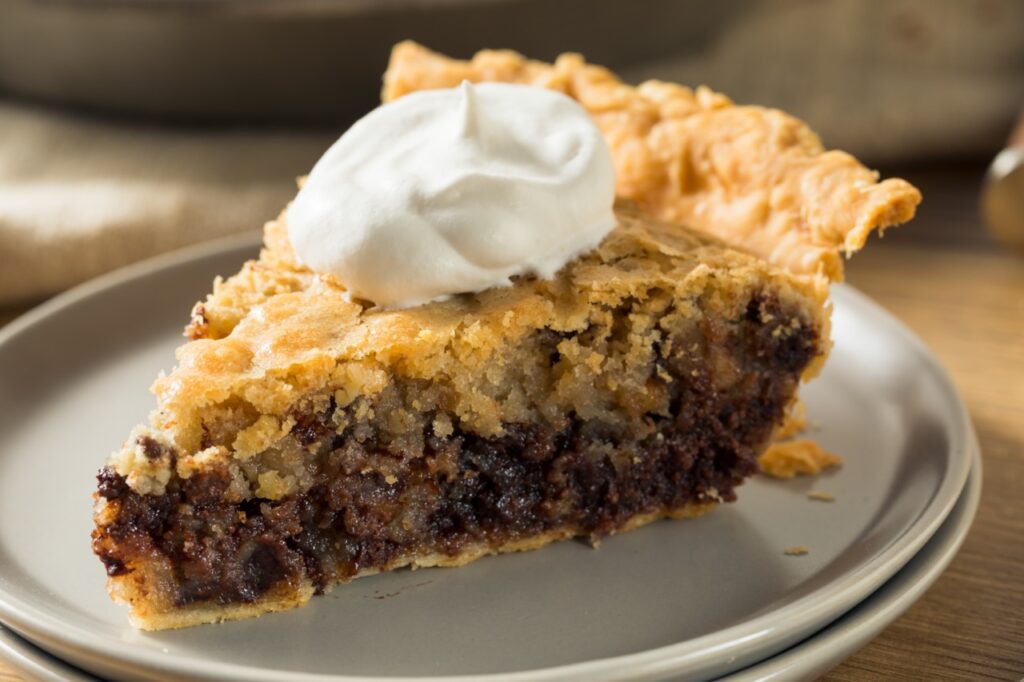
(289, 596)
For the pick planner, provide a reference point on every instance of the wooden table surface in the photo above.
(964, 296)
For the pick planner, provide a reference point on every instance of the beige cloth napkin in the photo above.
(80, 196)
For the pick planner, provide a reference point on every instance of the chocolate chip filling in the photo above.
(585, 477)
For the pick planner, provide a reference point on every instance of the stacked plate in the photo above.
(683, 600)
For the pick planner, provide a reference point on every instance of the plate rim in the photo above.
(856, 628)
(862, 623)
(837, 597)
(31, 659)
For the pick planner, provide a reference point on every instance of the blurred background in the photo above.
(131, 127)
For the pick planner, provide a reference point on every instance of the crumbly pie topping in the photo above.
(276, 331)
(801, 457)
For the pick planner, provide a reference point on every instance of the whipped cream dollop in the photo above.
(451, 191)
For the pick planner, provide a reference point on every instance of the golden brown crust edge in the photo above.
(133, 589)
(757, 178)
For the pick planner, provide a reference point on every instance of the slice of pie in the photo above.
(304, 439)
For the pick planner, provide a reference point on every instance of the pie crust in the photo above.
(757, 178)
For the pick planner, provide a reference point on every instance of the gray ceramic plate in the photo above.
(805, 661)
(825, 650)
(686, 599)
